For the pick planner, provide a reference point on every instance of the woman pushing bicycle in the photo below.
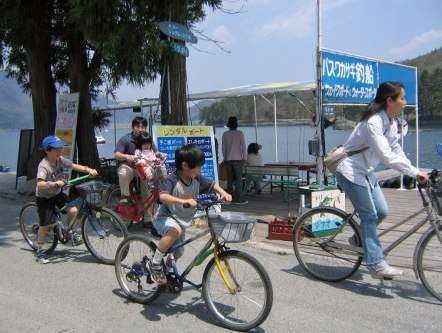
(375, 140)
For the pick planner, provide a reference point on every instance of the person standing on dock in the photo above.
(235, 157)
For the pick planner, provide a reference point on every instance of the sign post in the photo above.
(177, 31)
(66, 125)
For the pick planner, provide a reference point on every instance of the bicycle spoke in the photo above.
(248, 303)
(322, 248)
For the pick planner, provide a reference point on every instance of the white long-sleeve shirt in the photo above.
(380, 134)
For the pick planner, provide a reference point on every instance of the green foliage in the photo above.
(288, 107)
(430, 94)
(429, 61)
(100, 118)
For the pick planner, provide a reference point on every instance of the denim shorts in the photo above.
(162, 226)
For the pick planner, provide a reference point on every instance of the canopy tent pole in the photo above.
(417, 122)
(256, 120)
(274, 122)
(150, 120)
(115, 132)
(276, 130)
(319, 128)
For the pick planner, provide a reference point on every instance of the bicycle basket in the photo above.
(94, 192)
(233, 227)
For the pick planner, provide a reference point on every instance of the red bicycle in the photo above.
(137, 207)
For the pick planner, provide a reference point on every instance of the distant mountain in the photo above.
(15, 106)
(429, 61)
(430, 99)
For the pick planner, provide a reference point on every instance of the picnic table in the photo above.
(308, 167)
(283, 175)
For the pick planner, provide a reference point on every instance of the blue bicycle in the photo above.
(102, 229)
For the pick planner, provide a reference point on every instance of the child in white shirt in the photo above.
(254, 158)
(147, 158)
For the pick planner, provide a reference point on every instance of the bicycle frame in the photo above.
(431, 217)
(202, 255)
(84, 209)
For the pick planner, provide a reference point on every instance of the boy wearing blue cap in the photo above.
(49, 189)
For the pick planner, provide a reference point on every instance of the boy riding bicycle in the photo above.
(178, 193)
(49, 190)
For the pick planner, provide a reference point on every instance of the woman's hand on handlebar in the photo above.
(422, 177)
(93, 172)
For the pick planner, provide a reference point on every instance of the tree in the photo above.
(174, 75)
(81, 44)
(25, 52)
(423, 93)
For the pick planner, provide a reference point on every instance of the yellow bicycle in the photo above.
(235, 286)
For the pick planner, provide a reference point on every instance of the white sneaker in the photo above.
(388, 273)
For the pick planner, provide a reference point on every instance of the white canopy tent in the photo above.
(247, 90)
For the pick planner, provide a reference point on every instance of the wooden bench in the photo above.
(284, 177)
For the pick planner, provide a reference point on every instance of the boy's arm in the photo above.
(224, 195)
(169, 199)
(84, 169)
(44, 185)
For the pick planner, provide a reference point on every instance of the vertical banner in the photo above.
(170, 138)
(66, 125)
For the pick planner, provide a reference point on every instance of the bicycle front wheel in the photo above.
(429, 264)
(29, 225)
(133, 271)
(103, 231)
(250, 300)
(327, 244)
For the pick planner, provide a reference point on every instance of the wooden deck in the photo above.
(401, 205)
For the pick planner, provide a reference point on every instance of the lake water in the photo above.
(292, 144)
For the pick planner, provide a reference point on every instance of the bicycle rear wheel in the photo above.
(429, 264)
(327, 244)
(113, 198)
(29, 225)
(102, 232)
(250, 302)
(132, 269)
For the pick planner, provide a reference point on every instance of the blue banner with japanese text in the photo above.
(350, 79)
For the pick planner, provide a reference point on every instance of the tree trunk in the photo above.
(174, 74)
(42, 84)
(79, 79)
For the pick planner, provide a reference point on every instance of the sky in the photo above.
(275, 40)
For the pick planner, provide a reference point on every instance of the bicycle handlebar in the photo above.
(202, 204)
(76, 181)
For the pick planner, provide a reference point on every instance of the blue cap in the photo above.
(52, 141)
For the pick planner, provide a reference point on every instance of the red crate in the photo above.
(280, 229)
